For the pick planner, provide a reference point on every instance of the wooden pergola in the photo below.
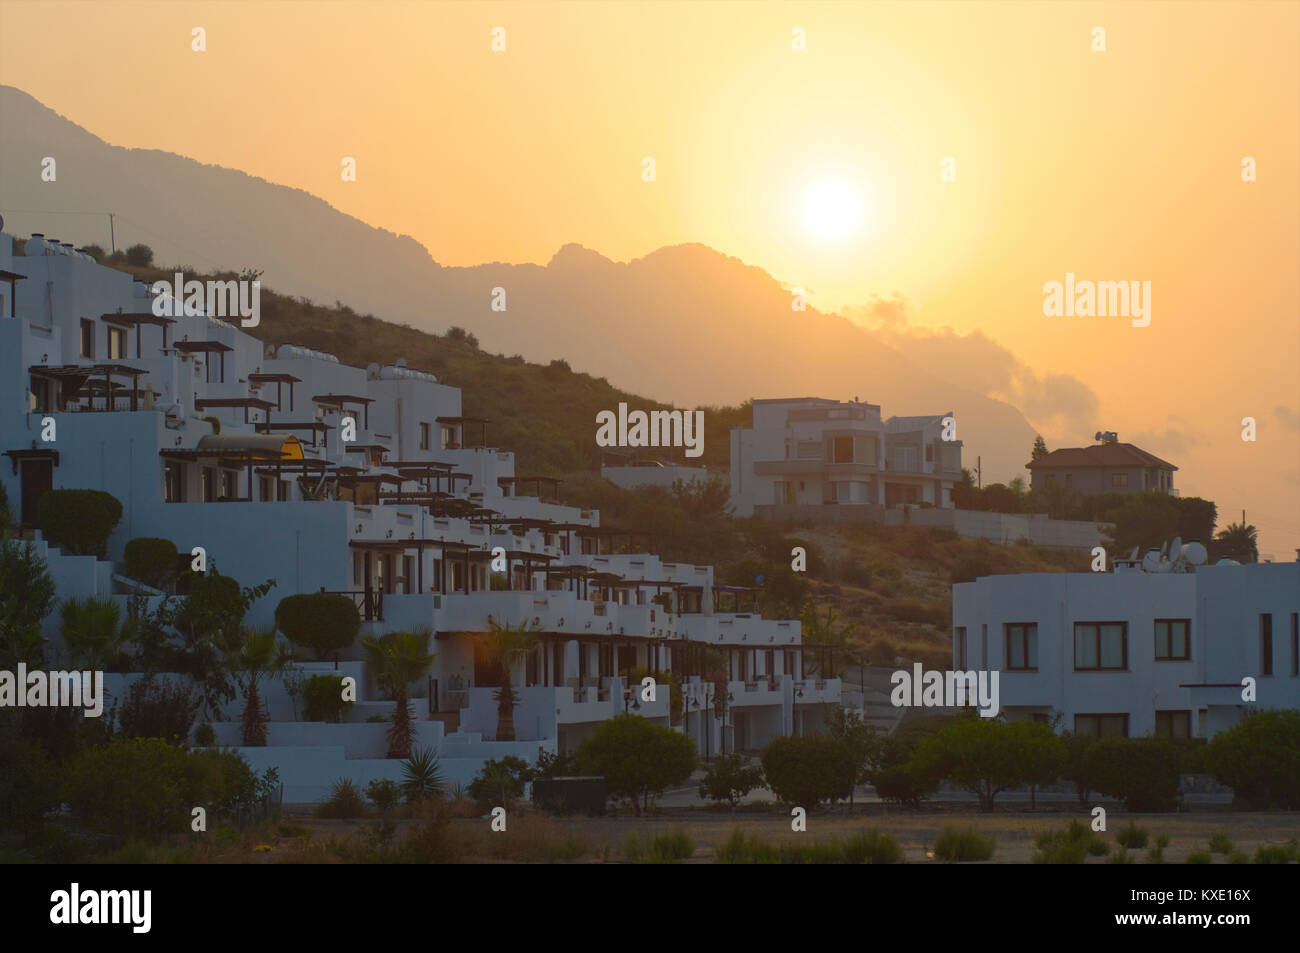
(135, 319)
(279, 380)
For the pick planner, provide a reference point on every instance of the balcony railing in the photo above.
(369, 603)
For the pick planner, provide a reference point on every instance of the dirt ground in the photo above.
(1014, 830)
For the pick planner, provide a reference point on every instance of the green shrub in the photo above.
(1143, 772)
(205, 736)
(729, 779)
(670, 848)
(384, 794)
(1120, 856)
(322, 699)
(804, 771)
(28, 785)
(1070, 845)
(1273, 854)
(962, 843)
(1200, 857)
(344, 801)
(872, 847)
(79, 521)
(422, 777)
(1131, 835)
(1220, 843)
(570, 847)
(159, 709)
(500, 783)
(152, 561)
(1238, 857)
(321, 621)
(1259, 758)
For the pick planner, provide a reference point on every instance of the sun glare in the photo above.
(832, 210)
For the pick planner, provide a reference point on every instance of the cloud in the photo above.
(1288, 418)
(1056, 403)
(1179, 436)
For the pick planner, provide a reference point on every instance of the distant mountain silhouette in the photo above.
(684, 324)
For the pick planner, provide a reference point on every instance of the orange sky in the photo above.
(1115, 165)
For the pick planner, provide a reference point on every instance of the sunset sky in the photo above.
(821, 166)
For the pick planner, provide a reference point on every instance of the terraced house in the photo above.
(284, 463)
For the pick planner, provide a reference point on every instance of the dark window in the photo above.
(1119, 479)
(929, 453)
(424, 436)
(1265, 644)
(229, 484)
(1101, 726)
(173, 483)
(1100, 646)
(1172, 640)
(842, 451)
(282, 489)
(1173, 724)
(959, 640)
(209, 484)
(88, 339)
(1295, 644)
(266, 486)
(1022, 646)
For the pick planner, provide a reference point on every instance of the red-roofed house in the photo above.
(1107, 467)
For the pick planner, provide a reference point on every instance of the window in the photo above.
(1100, 646)
(841, 450)
(424, 436)
(229, 484)
(1101, 726)
(266, 488)
(1295, 644)
(959, 645)
(282, 490)
(1172, 642)
(1173, 724)
(1265, 644)
(448, 438)
(209, 484)
(116, 344)
(1022, 646)
(984, 646)
(929, 453)
(87, 338)
(1119, 479)
(173, 483)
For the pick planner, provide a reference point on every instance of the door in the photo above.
(37, 477)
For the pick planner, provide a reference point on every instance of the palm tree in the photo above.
(422, 776)
(1240, 542)
(94, 633)
(256, 654)
(396, 660)
(505, 647)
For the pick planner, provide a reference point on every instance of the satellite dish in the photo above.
(1151, 561)
(1164, 549)
(1133, 555)
(1097, 435)
(1175, 549)
(1227, 562)
(1195, 553)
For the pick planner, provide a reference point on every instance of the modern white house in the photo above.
(1161, 650)
(284, 463)
(812, 451)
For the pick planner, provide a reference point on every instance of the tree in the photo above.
(255, 655)
(1040, 448)
(1259, 758)
(987, 757)
(503, 648)
(26, 598)
(422, 776)
(1042, 755)
(860, 742)
(730, 779)
(1238, 541)
(637, 758)
(397, 659)
(803, 772)
(79, 521)
(500, 783)
(95, 634)
(1142, 772)
(139, 256)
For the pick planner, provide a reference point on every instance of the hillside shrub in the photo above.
(637, 758)
(152, 561)
(729, 779)
(1142, 772)
(79, 521)
(344, 801)
(322, 699)
(323, 622)
(159, 708)
(1259, 758)
(804, 771)
(955, 844)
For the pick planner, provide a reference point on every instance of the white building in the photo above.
(1133, 652)
(811, 451)
(211, 439)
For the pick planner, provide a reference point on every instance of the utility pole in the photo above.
(112, 234)
(979, 471)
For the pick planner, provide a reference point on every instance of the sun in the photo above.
(832, 210)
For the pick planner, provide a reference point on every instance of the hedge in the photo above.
(78, 520)
(152, 561)
(322, 621)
